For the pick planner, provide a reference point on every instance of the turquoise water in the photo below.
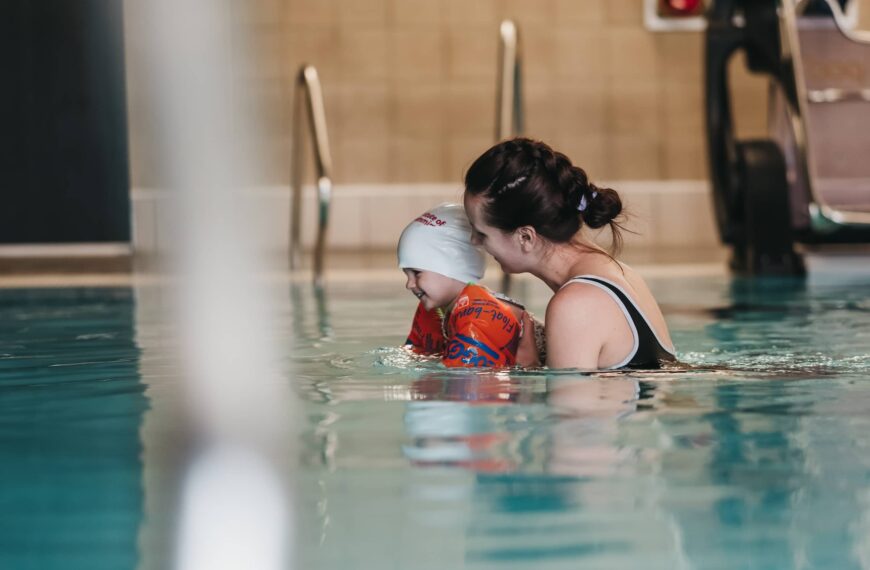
(753, 457)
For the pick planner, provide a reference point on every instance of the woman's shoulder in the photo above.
(581, 297)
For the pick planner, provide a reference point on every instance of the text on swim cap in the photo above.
(428, 219)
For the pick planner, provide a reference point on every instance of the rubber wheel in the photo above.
(767, 244)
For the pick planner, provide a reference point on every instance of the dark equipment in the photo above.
(809, 181)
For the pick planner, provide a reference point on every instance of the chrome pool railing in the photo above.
(509, 95)
(308, 99)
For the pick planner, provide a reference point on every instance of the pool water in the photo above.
(755, 455)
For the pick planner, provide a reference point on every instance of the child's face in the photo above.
(433, 289)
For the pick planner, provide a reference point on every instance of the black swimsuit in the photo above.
(648, 351)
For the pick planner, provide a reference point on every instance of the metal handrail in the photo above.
(308, 96)
(823, 216)
(509, 95)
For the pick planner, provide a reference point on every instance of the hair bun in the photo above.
(525, 182)
(603, 205)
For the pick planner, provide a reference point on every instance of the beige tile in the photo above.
(364, 55)
(681, 56)
(270, 102)
(417, 55)
(634, 109)
(472, 53)
(471, 110)
(574, 13)
(581, 57)
(539, 55)
(418, 160)
(304, 13)
(472, 12)
(632, 55)
(267, 55)
(346, 223)
(415, 13)
(266, 12)
(308, 219)
(332, 104)
(580, 112)
(531, 13)
(587, 153)
(749, 111)
(749, 90)
(684, 219)
(686, 158)
(273, 159)
(364, 160)
(684, 109)
(633, 158)
(420, 111)
(543, 119)
(362, 13)
(364, 109)
(638, 211)
(315, 46)
(387, 218)
(624, 13)
(461, 152)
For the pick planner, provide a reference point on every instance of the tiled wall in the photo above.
(410, 86)
(410, 96)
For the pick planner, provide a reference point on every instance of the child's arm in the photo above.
(426, 336)
(483, 332)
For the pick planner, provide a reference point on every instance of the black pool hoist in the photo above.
(808, 182)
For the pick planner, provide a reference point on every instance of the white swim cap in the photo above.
(440, 241)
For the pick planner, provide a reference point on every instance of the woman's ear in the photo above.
(527, 237)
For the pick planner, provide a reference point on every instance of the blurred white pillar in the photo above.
(235, 504)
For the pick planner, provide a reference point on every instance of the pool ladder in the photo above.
(308, 99)
(509, 96)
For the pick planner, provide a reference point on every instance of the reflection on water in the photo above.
(754, 456)
(750, 458)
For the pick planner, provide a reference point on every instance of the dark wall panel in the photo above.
(64, 174)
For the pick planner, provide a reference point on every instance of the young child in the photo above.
(467, 324)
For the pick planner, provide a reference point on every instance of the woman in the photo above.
(528, 205)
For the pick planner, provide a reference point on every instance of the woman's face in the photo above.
(503, 246)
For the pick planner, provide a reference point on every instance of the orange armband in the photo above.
(482, 331)
(426, 336)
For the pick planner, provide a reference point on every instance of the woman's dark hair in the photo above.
(524, 182)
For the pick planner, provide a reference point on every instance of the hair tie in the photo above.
(584, 203)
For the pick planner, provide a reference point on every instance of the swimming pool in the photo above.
(755, 459)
